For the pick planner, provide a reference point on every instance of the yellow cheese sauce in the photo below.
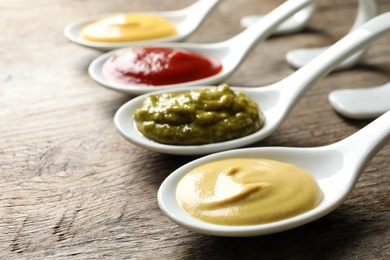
(244, 191)
(128, 27)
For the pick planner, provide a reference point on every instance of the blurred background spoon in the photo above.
(363, 103)
(367, 9)
(186, 21)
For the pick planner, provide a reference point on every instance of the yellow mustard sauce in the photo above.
(128, 27)
(244, 191)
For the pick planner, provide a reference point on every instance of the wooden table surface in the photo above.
(72, 187)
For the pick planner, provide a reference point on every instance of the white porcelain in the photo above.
(363, 103)
(336, 168)
(230, 52)
(186, 21)
(294, 24)
(276, 101)
(367, 9)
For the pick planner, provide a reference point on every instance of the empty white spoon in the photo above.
(367, 9)
(230, 52)
(294, 24)
(276, 101)
(363, 103)
(336, 168)
(186, 21)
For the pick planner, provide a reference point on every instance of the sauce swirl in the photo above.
(244, 191)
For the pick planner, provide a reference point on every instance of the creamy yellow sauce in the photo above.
(247, 192)
(128, 27)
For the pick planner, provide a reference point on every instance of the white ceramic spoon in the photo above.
(294, 24)
(364, 103)
(336, 168)
(276, 101)
(367, 9)
(186, 21)
(230, 52)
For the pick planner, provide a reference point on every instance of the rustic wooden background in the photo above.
(72, 187)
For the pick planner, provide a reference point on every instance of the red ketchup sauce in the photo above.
(156, 66)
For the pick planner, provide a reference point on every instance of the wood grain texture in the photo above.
(72, 187)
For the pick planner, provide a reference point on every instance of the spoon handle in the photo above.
(243, 43)
(294, 86)
(197, 12)
(294, 24)
(367, 9)
(362, 146)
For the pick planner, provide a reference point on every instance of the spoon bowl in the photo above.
(186, 21)
(363, 103)
(335, 167)
(230, 53)
(275, 101)
(127, 128)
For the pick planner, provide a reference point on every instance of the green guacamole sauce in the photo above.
(203, 116)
